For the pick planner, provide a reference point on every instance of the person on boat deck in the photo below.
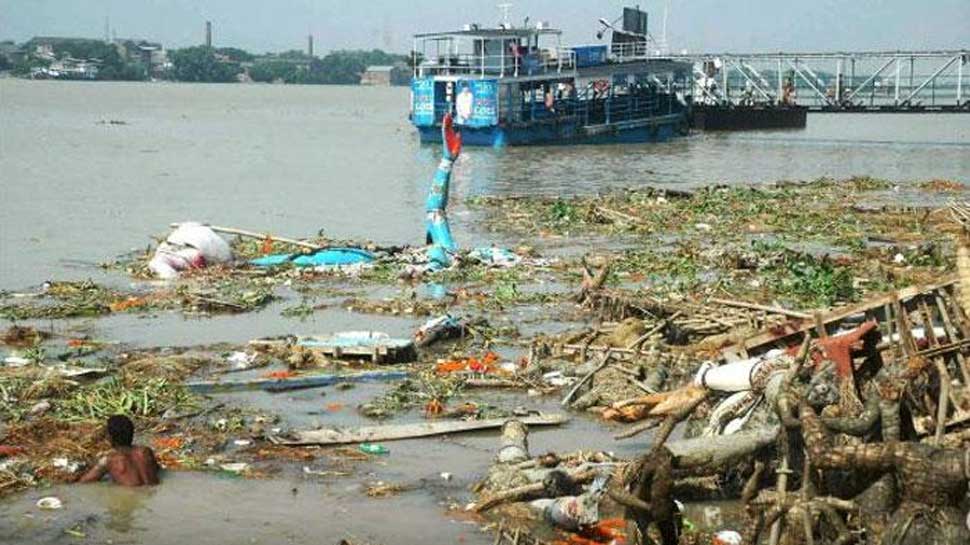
(465, 105)
(128, 464)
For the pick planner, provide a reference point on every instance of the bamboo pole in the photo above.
(260, 236)
(640, 340)
(572, 393)
(766, 308)
(944, 378)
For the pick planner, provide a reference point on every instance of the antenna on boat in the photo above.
(505, 7)
(663, 38)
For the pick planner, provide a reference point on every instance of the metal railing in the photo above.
(631, 51)
(612, 109)
(542, 62)
(838, 81)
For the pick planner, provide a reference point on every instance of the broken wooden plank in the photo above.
(293, 383)
(373, 345)
(394, 432)
(788, 329)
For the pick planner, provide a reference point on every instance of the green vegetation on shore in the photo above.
(130, 60)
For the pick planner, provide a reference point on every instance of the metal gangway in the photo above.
(869, 81)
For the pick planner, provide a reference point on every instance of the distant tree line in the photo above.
(221, 65)
(212, 64)
(201, 64)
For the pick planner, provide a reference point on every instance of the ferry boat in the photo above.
(516, 86)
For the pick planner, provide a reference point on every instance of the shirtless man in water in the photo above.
(127, 464)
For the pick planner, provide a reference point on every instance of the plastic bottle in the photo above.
(374, 448)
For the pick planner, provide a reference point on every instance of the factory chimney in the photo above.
(208, 34)
(309, 45)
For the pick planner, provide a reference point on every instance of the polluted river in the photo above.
(612, 274)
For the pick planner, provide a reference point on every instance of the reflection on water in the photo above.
(122, 504)
(899, 147)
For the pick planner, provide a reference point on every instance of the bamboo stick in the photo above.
(260, 236)
(755, 306)
(572, 392)
(944, 399)
(635, 344)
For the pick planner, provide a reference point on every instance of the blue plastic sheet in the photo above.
(325, 257)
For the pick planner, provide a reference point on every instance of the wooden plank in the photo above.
(380, 349)
(294, 383)
(395, 432)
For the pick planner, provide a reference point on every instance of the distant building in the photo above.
(385, 75)
(69, 68)
(57, 53)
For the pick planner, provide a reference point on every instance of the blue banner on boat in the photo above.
(422, 102)
(322, 258)
(476, 103)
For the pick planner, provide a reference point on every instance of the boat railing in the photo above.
(631, 51)
(542, 62)
(597, 111)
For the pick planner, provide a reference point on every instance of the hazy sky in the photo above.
(709, 25)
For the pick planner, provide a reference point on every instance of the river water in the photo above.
(91, 170)
(77, 188)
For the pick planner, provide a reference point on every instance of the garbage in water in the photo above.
(727, 537)
(240, 360)
(373, 448)
(440, 328)
(50, 502)
(190, 246)
(328, 257)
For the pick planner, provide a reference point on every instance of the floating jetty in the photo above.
(740, 118)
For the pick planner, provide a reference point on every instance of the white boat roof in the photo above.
(489, 33)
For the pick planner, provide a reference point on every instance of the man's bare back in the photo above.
(128, 465)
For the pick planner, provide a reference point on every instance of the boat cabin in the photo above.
(517, 85)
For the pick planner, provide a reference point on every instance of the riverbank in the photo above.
(788, 247)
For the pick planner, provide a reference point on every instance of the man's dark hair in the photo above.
(121, 430)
